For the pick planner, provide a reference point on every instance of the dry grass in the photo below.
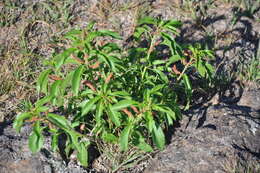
(30, 33)
(237, 165)
(113, 160)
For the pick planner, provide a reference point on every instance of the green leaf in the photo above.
(66, 83)
(91, 36)
(54, 91)
(124, 137)
(73, 34)
(123, 104)
(61, 58)
(110, 47)
(54, 142)
(149, 121)
(91, 25)
(83, 153)
(110, 33)
(42, 109)
(169, 41)
(87, 92)
(173, 59)
(162, 75)
(169, 119)
(109, 137)
(144, 146)
(42, 81)
(171, 28)
(157, 88)
(172, 23)
(36, 138)
(138, 32)
(158, 62)
(99, 112)
(147, 20)
(76, 79)
(43, 101)
(113, 115)
(87, 107)
(188, 90)
(74, 138)
(165, 109)
(139, 141)
(18, 122)
(187, 82)
(59, 121)
(120, 94)
(158, 137)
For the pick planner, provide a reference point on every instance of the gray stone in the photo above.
(209, 139)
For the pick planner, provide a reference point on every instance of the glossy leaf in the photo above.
(171, 43)
(173, 59)
(138, 32)
(54, 142)
(99, 112)
(18, 122)
(124, 137)
(61, 58)
(73, 34)
(87, 107)
(162, 75)
(76, 79)
(36, 138)
(43, 101)
(109, 137)
(139, 141)
(122, 104)
(54, 90)
(59, 121)
(66, 83)
(159, 62)
(120, 94)
(157, 88)
(113, 115)
(188, 89)
(42, 109)
(83, 153)
(172, 23)
(110, 33)
(42, 81)
(165, 109)
(147, 20)
(158, 137)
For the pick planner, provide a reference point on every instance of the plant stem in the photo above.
(185, 68)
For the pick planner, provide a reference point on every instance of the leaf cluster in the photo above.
(96, 90)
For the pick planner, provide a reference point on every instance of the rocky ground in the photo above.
(219, 134)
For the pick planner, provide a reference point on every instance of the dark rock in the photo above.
(15, 156)
(208, 139)
(251, 98)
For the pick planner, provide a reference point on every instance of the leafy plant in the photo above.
(198, 9)
(246, 8)
(97, 91)
(250, 71)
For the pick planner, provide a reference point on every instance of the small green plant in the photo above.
(250, 72)
(97, 91)
(245, 8)
(198, 9)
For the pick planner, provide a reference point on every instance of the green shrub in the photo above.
(96, 90)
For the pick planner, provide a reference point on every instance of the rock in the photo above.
(15, 156)
(208, 140)
(251, 98)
